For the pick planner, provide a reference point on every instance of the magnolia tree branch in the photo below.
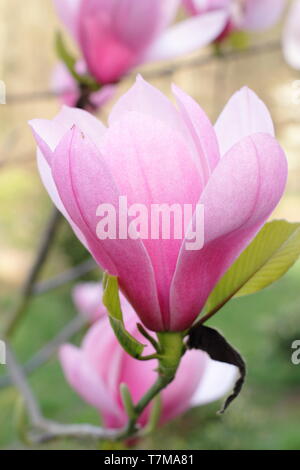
(63, 278)
(27, 289)
(232, 54)
(42, 356)
(75, 325)
(50, 430)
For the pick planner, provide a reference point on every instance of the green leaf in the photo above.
(68, 59)
(273, 251)
(111, 300)
(127, 401)
(154, 416)
(70, 62)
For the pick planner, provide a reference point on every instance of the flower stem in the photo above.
(172, 348)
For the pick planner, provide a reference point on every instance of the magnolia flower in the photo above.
(245, 15)
(291, 36)
(155, 153)
(117, 35)
(100, 365)
(67, 89)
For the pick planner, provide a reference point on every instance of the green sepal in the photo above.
(111, 300)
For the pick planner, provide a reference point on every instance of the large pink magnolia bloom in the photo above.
(155, 153)
(291, 36)
(100, 365)
(245, 15)
(117, 35)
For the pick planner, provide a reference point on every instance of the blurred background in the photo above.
(262, 327)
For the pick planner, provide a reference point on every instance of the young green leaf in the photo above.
(111, 300)
(65, 56)
(70, 62)
(273, 251)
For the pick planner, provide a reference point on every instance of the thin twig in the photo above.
(270, 46)
(19, 379)
(50, 349)
(51, 429)
(67, 276)
(232, 54)
(42, 253)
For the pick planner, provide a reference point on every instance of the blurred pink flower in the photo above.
(291, 36)
(242, 15)
(87, 297)
(155, 153)
(100, 365)
(67, 89)
(117, 35)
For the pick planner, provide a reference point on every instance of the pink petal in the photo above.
(142, 154)
(107, 58)
(202, 6)
(169, 10)
(144, 20)
(176, 398)
(111, 45)
(243, 115)
(101, 97)
(88, 384)
(87, 297)
(85, 121)
(201, 130)
(51, 132)
(139, 376)
(47, 179)
(61, 172)
(262, 14)
(187, 36)
(239, 197)
(291, 36)
(103, 352)
(218, 380)
(68, 10)
(144, 98)
(84, 182)
(44, 158)
(102, 349)
(64, 85)
(48, 134)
